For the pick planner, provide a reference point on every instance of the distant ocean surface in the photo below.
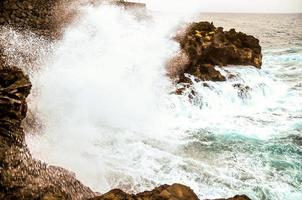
(273, 30)
(111, 118)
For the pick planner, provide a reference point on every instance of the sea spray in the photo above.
(109, 113)
(104, 84)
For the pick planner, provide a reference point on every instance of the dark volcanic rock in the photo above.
(207, 46)
(22, 177)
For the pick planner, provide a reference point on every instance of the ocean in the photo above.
(108, 113)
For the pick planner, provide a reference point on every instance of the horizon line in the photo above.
(231, 12)
(239, 12)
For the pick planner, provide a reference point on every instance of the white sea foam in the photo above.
(108, 113)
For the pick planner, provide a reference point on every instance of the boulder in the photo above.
(206, 46)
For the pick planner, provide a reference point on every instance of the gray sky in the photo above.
(266, 6)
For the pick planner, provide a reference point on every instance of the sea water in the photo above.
(107, 110)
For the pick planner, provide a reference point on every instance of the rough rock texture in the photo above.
(47, 17)
(206, 46)
(22, 177)
(43, 17)
(164, 192)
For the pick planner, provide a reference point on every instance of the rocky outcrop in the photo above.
(164, 192)
(203, 46)
(22, 177)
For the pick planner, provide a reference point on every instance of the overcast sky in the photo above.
(266, 6)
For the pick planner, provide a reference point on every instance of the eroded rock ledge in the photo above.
(204, 46)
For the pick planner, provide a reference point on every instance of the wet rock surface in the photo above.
(206, 46)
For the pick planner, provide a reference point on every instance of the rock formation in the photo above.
(164, 192)
(203, 46)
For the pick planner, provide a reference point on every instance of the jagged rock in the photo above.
(206, 46)
(164, 192)
(22, 177)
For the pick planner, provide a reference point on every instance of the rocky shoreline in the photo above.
(21, 176)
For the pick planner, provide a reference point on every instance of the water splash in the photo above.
(110, 117)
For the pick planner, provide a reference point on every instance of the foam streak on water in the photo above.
(108, 113)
